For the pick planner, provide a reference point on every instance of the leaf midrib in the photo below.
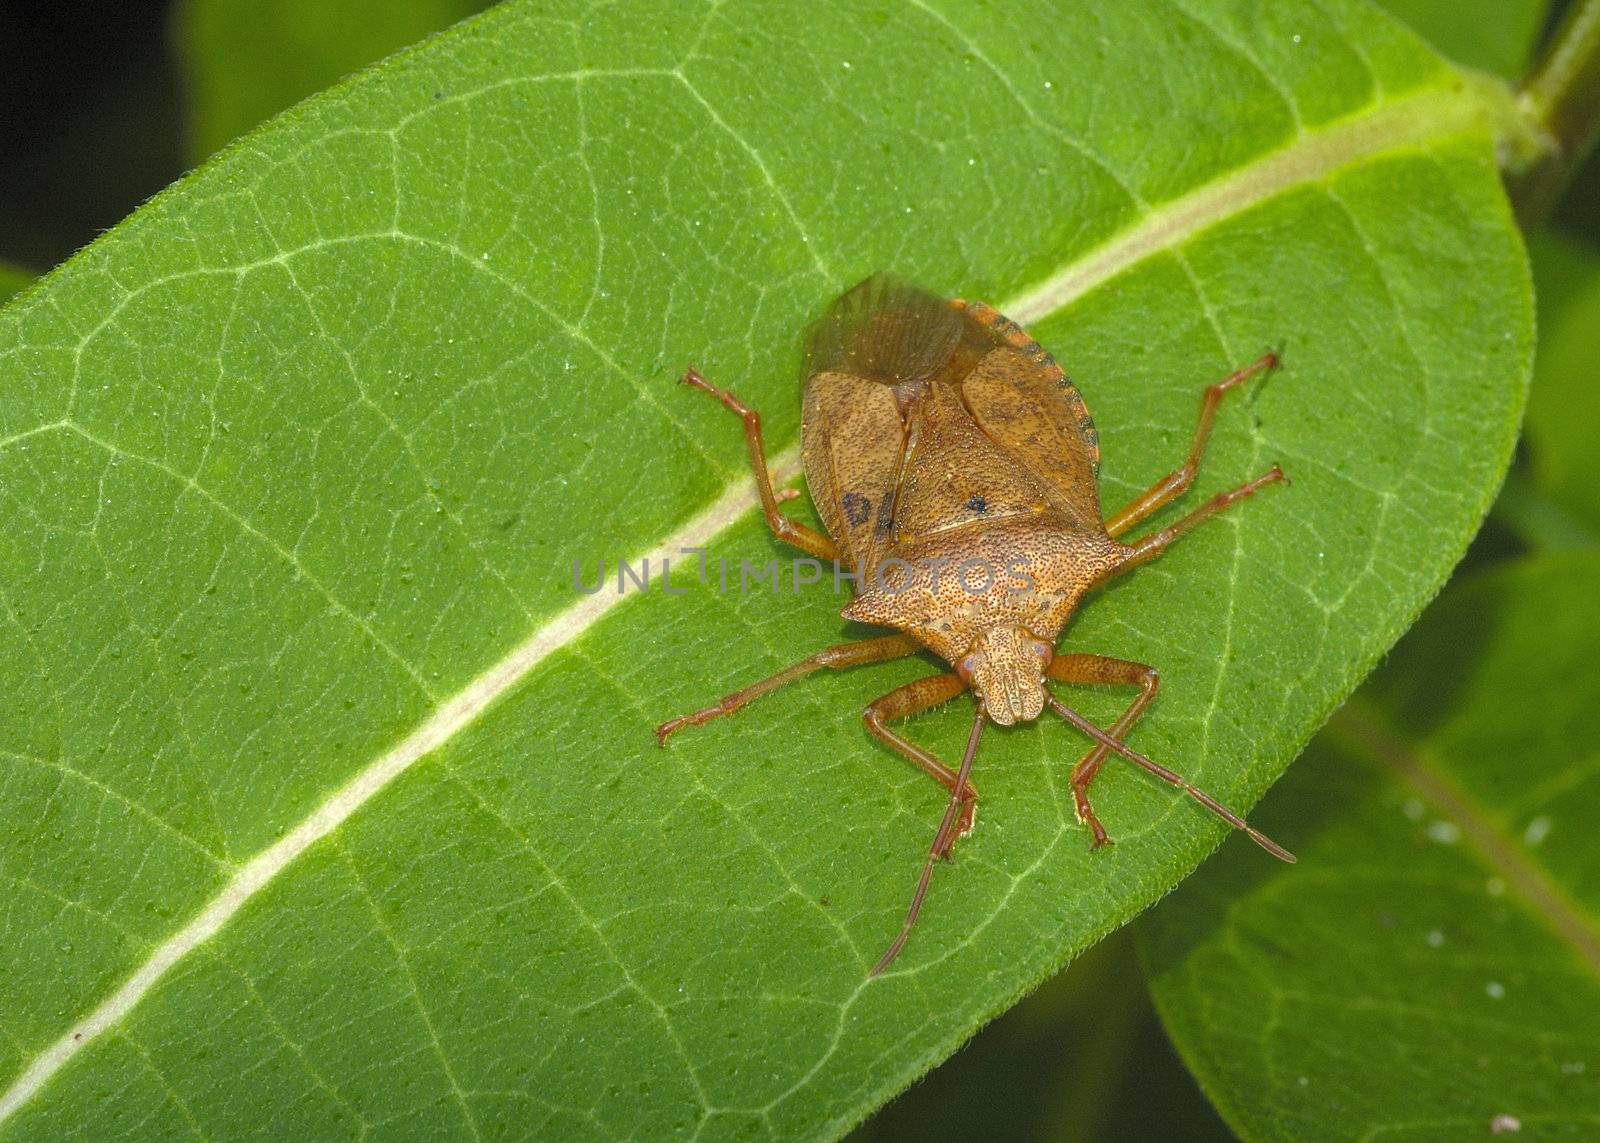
(1412, 120)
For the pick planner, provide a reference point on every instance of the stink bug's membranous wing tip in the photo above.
(886, 329)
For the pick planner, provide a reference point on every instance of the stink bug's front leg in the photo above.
(839, 656)
(1103, 671)
(787, 530)
(906, 701)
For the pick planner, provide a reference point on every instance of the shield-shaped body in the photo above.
(955, 466)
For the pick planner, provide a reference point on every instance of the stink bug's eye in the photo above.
(966, 665)
(1044, 649)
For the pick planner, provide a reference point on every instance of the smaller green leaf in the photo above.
(1563, 424)
(245, 61)
(1431, 968)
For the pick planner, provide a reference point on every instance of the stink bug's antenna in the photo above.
(939, 848)
(1169, 777)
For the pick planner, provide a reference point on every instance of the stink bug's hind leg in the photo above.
(1100, 670)
(787, 530)
(1176, 482)
(908, 700)
(837, 657)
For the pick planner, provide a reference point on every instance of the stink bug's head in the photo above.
(1005, 669)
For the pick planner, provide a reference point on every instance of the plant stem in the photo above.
(1561, 96)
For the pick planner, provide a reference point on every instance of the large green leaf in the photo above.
(330, 805)
(1434, 962)
(245, 60)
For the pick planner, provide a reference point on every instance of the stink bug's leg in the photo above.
(940, 847)
(1103, 671)
(1168, 776)
(1176, 482)
(1156, 542)
(787, 530)
(839, 656)
(908, 700)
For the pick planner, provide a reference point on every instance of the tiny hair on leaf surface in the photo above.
(1444, 915)
(331, 807)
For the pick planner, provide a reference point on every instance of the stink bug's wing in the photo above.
(956, 476)
(853, 445)
(886, 330)
(1023, 402)
(868, 359)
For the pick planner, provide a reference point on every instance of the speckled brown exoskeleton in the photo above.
(955, 467)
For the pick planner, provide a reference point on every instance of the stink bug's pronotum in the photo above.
(937, 434)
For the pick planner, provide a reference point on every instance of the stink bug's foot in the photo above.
(1086, 815)
(692, 378)
(1268, 361)
(964, 826)
(698, 718)
(1221, 500)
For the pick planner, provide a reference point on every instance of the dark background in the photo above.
(91, 121)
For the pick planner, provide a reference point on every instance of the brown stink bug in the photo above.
(939, 441)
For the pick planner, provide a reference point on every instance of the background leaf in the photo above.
(1564, 409)
(1497, 36)
(246, 60)
(12, 280)
(303, 454)
(1082, 1057)
(1434, 961)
